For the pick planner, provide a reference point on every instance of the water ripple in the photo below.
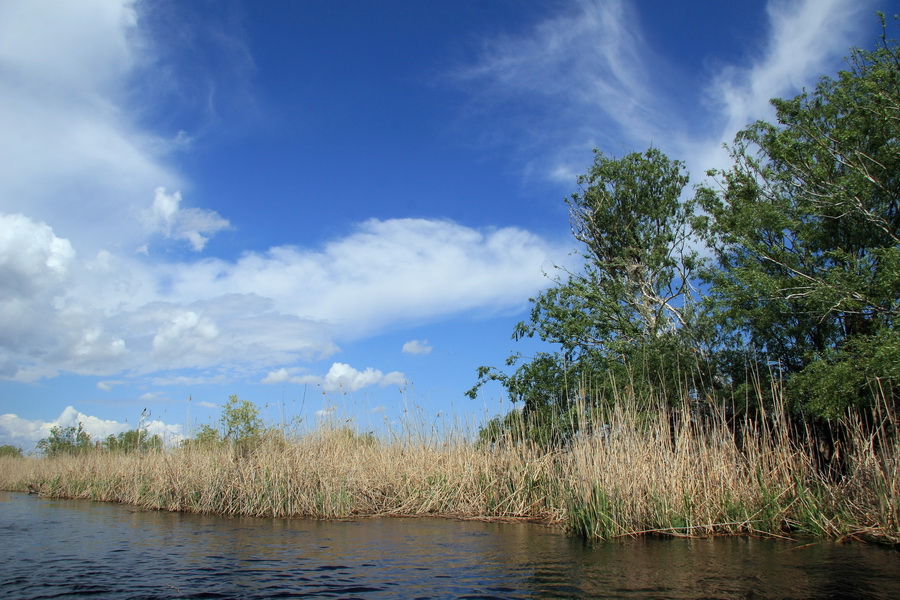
(70, 549)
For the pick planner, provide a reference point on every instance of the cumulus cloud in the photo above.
(108, 315)
(386, 272)
(167, 218)
(27, 433)
(340, 377)
(417, 347)
(69, 155)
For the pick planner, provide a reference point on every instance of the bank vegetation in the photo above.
(640, 467)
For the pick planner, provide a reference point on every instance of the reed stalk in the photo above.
(651, 470)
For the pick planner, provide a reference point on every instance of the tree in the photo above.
(239, 426)
(65, 440)
(10, 450)
(135, 440)
(240, 421)
(206, 437)
(632, 307)
(806, 232)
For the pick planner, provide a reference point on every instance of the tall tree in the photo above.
(806, 230)
(631, 305)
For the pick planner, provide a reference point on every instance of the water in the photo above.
(80, 549)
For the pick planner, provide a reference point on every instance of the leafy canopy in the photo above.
(630, 307)
(806, 232)
(803, 285)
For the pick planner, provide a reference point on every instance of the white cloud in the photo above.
(167, 218)
(281, 375)
(805, 38)
(108, 315)
(417, 347)
(69, 154)
(31, 255)
(108, 385)
(27, 433)
(190, 380)
(340, 377)
(579, 79)
(388, 272)
(586, 77)
(325, 412)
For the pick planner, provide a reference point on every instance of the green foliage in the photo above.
(207, 437)
(634, 227)
(240, 426)
(546, 426)
(630, 314)
(240, 421)
(856, 375)
(635, 283)
(136, 440)
(805, 286)
(806, 230)
(10, 450)
(65, 440)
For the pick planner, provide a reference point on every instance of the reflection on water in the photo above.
(74, 549)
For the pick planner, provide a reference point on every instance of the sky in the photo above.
(335, 209)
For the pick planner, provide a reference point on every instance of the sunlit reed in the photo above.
(660, 471)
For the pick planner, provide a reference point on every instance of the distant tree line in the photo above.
(783, 277)
(10, 450)
(73, 440)
(240, 426)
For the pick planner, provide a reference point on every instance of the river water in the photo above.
(80, 549)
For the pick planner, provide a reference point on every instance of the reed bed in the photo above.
(662, 471)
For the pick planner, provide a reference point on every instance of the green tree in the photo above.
(206, 437)
(65, 440)
(240, 421)
(10, 450)
(631, 309)
(806, 232)
(135, 440)
(239, 426)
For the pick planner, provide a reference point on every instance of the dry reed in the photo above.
(662, 471)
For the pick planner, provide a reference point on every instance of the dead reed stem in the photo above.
(660, 471)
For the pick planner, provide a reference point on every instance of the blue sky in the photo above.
(333, 208)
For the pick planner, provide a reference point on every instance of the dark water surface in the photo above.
(80, 549)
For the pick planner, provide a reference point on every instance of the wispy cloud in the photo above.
(806, 38)
(194, 225)
(587, 77)
(580, 79)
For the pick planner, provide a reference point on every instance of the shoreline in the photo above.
(649, 479)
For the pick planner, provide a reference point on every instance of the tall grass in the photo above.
(663, 471)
